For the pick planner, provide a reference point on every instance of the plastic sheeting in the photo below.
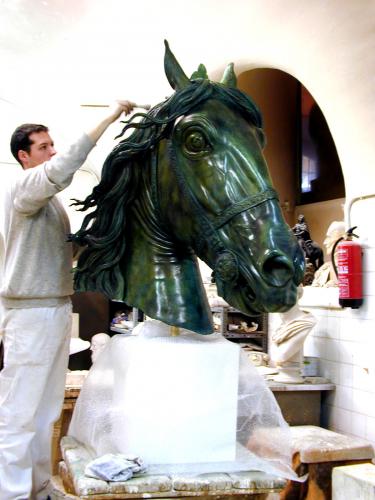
(100, 420)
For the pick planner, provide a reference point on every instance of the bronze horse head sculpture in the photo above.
(190, 181)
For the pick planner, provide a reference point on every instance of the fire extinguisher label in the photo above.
(343, 269)
(349, 270)
(344, 287)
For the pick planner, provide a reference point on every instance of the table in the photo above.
(318, 451)
(300, 404)
(60, 428)
(73, 484)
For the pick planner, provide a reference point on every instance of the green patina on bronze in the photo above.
(190, 180)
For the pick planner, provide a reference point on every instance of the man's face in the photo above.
(41, 150)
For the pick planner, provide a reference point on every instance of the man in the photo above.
(35, 286)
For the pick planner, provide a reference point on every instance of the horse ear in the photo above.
(175, 74)
(200, 73)
(229, 78)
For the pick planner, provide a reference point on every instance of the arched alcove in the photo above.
(300, 151)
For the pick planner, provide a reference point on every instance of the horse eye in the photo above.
(195, 142)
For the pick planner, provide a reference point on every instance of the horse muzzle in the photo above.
(278, 269)
(269, 287)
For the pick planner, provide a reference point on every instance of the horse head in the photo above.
(190, 181)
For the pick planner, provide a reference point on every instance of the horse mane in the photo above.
(103, 229)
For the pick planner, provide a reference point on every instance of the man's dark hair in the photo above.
(20, 139)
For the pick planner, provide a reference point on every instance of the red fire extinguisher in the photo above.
(348, 270)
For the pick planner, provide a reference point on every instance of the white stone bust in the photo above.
(98, 343)
(288, 340)
(325, 276)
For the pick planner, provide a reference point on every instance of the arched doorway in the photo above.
(300, 150)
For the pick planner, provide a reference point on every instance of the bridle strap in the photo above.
(208, 227)
(245, 204)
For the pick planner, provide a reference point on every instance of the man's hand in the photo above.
(115, 111)
(120, 107)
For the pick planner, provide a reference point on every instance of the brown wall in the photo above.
(319, 216)
(275, 92)
(93, 310)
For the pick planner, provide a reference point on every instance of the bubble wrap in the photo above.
(173, 403)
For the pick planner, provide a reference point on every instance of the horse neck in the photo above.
(161, 279)
(146, 226)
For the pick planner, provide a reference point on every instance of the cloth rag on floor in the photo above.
(115, 467)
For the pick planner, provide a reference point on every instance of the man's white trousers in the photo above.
(32, 384)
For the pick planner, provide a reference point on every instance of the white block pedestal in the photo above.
(177, 400)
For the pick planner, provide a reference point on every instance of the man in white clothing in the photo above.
(35, 289)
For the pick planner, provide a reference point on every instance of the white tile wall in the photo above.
(342, 397)
(340, 419)
(369, 259)
(333, 327)
(361, 379)
(346, 375)
(369, 288)
(346, 352)
(370, 429)
(330, 370)
(364, 402)
(332, 349)
(359, 421)
(344, 341)
(367, 311)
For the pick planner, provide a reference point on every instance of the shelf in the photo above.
(251, 335)
(118, 306)
(124, 331)
(232, 310)
(231, 315)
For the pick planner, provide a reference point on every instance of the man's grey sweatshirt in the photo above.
(35, 258)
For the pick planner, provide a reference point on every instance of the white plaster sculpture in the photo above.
(325, 276)
(76, 343)
(288, 340)
(98, 343)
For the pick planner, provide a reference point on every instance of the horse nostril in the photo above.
(277, 270)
